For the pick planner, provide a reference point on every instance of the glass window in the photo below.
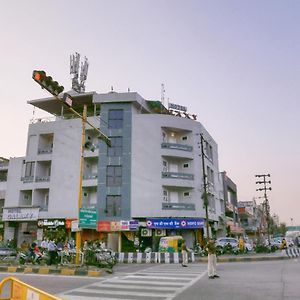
(115, 118)
(29, 169)
(113, 206)
(116, 146)
(114, 176)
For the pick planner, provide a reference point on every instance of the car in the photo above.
(222, 241)
(6, 252)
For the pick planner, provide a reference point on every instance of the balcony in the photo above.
(176, 175)
(178, 206)
(175, 146)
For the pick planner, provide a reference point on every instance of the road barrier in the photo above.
(18, 290)
(292, 252)
(153, 257)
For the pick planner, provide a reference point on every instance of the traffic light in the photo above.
(46, 82)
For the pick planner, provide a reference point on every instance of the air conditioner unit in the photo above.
(146, 232)
(160, 232)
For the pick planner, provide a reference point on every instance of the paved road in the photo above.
(276, 280)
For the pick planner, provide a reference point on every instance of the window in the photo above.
(29, 169)
(186, 165)
(116, 146)
(114, 176)
(184, 138)
(210, 175)
(165, 195)
(165, 166)
(209, 151)
(115, 118)
(113, 206)
(186, 194)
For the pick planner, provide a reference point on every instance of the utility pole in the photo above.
(205, 194)
(266, 204)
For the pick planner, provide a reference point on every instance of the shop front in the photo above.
(20, 224)
(191, 230)
(52, 229)
(119, 236)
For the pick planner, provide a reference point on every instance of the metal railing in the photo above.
(176, 175)
(176, 146)
(178, 206)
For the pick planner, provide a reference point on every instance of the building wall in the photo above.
(64, 160)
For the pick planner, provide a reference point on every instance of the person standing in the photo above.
(52, 251)
(212, 259)
(184, 254)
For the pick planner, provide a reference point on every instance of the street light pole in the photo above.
(204, 195)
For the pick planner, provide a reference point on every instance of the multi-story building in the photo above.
(4, 163)
(232, 221)
(151, 178)
(248, 214)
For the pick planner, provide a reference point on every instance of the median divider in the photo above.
(53, 270)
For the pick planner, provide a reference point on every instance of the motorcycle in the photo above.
(32, 258)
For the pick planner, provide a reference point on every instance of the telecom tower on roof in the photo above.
(77, 86)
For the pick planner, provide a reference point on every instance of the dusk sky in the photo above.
(236, 64)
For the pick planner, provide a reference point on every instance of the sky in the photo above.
(236, 64)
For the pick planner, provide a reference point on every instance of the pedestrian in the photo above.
(184, 254)
(212, 259)
(241, 244)
(51, 251)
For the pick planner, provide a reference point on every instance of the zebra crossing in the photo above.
(159, 282)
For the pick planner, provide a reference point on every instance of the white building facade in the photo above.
(151, 177)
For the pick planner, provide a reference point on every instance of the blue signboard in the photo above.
(172, 223)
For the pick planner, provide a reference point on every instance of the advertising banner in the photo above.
(172, 223)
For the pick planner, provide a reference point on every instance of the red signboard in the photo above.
(103, 226)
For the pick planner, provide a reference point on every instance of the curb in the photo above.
(243, 259)
(48, 271)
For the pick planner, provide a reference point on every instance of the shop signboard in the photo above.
(172, 223)
(133, 225)
(115, 226)
(88, 218)
(20, 214)
(103, 226)
(51, 223)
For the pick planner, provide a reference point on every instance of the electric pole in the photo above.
(266, 204)
(205, 194)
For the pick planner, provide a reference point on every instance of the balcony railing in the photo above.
(176, 175)
(177, 146)
(45, 150)
(178, 206)
(90, 176)
(42, 178)
(27, 179)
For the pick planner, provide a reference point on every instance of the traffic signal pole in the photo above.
(46, 82)
(78, 233)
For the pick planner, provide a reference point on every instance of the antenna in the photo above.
(74, 71)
